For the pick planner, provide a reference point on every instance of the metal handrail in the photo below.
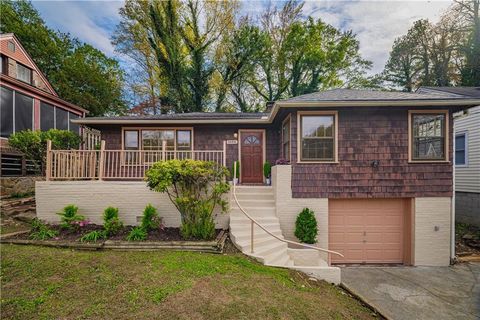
(253, 222)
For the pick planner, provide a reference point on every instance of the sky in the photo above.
(376, 23)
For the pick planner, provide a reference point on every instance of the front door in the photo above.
(251, 159)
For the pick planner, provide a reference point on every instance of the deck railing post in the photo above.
(224, 157)
(164, 150)
(101, 162)
(48, 169)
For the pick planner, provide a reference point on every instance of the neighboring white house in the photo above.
(467, 156)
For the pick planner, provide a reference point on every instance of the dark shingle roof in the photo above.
(366, 95)
(472, 92)
(190, 116)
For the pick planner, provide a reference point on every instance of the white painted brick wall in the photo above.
(432, 248)
(288, 208)
(92, 197)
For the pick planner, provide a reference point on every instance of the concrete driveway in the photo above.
(418, 292)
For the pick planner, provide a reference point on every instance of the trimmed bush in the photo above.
(306, 227)
(267, 170)
(150, 218)
(111, 221)
(70, 218)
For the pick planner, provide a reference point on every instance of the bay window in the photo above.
(428, 135)
(317, 137)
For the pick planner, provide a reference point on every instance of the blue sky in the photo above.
(376, 23)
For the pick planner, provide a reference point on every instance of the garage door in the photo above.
(367, 230)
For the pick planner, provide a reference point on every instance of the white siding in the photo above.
(467, 178)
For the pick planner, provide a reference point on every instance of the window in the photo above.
(11, 46)
(184, 140)
(317, 137)
(286, 139)
(3, 69)
(153, 139)
(16, 112)
(428, 134)
(131, 139)
(23, 73)
(61, 119)
(461, 149)
(74, 127)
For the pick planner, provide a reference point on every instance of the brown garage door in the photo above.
(367, 230)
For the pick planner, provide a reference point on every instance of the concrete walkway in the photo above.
(418, 292)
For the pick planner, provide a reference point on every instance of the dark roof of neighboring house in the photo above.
(323, 99)
(366, 95)
(453, 91)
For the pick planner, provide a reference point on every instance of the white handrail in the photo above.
(253, 221)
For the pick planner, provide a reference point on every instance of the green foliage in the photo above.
(306, 226)
(150, 218)
(195, 188)
(70, 217)
(111, 221)
(137, 234)
(78, 72)
(41, 231)
(93, 236)
(267, 169)
(34, 143)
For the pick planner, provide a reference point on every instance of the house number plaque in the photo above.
(232, 141)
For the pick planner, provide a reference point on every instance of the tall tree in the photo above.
(78, 72)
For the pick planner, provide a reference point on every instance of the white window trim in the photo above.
(140, 129)
(299, 136)
(465, 165)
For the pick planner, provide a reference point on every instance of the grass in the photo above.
(48, 283)
(9, 225)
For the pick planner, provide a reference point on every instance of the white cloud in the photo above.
(376, 23)
(90, 21)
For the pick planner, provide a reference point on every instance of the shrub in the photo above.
(93, 236)
(150, 218)
(34, 143)
(195, 188)
(137, 234)
(282, 162)
(41, 231)
(111, 221)
(306, 226)
(267, 170)
(70, 218)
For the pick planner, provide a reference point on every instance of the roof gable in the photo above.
(21, 55)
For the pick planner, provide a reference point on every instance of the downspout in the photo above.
(452, 210)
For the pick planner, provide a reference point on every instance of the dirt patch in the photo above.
(467, 240)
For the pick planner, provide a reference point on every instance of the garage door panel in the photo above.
(366, 230)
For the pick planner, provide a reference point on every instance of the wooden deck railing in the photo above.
(117, 164)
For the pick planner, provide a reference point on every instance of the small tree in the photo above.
(34, 143)
(306, 226)
(267, 170)
(195, 188)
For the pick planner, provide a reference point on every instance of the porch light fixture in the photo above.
(235, 135)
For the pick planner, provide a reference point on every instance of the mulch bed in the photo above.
(164, 234)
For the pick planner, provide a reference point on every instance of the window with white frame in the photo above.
(317, 137)
(461, 149)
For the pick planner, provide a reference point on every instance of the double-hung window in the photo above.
(24, 73)
(461, 149)
(318, 137)
(428, 135)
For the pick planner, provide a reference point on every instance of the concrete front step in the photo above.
(250, 189)
(268, 203)
(243, 219)
(258, 244)
(253, 211)
(254, 196)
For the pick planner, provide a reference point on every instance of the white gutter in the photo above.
(291, 104)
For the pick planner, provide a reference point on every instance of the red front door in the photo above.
(251, 160)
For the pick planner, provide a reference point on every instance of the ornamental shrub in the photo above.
(267, 170)
(70, 218)
(111, 221)
(196, 188)
(150, 218)
(306, 227)
(34, 143)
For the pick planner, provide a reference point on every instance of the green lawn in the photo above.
(47, 283)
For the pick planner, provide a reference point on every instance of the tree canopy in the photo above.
(80, 73)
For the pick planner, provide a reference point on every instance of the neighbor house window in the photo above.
(286, 139)
(461, 149)
(317, 137)
(23, 73)
(428, 136)
(16, 112)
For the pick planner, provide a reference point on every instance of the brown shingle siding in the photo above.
(365, 135)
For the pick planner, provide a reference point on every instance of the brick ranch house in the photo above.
(375, 167)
